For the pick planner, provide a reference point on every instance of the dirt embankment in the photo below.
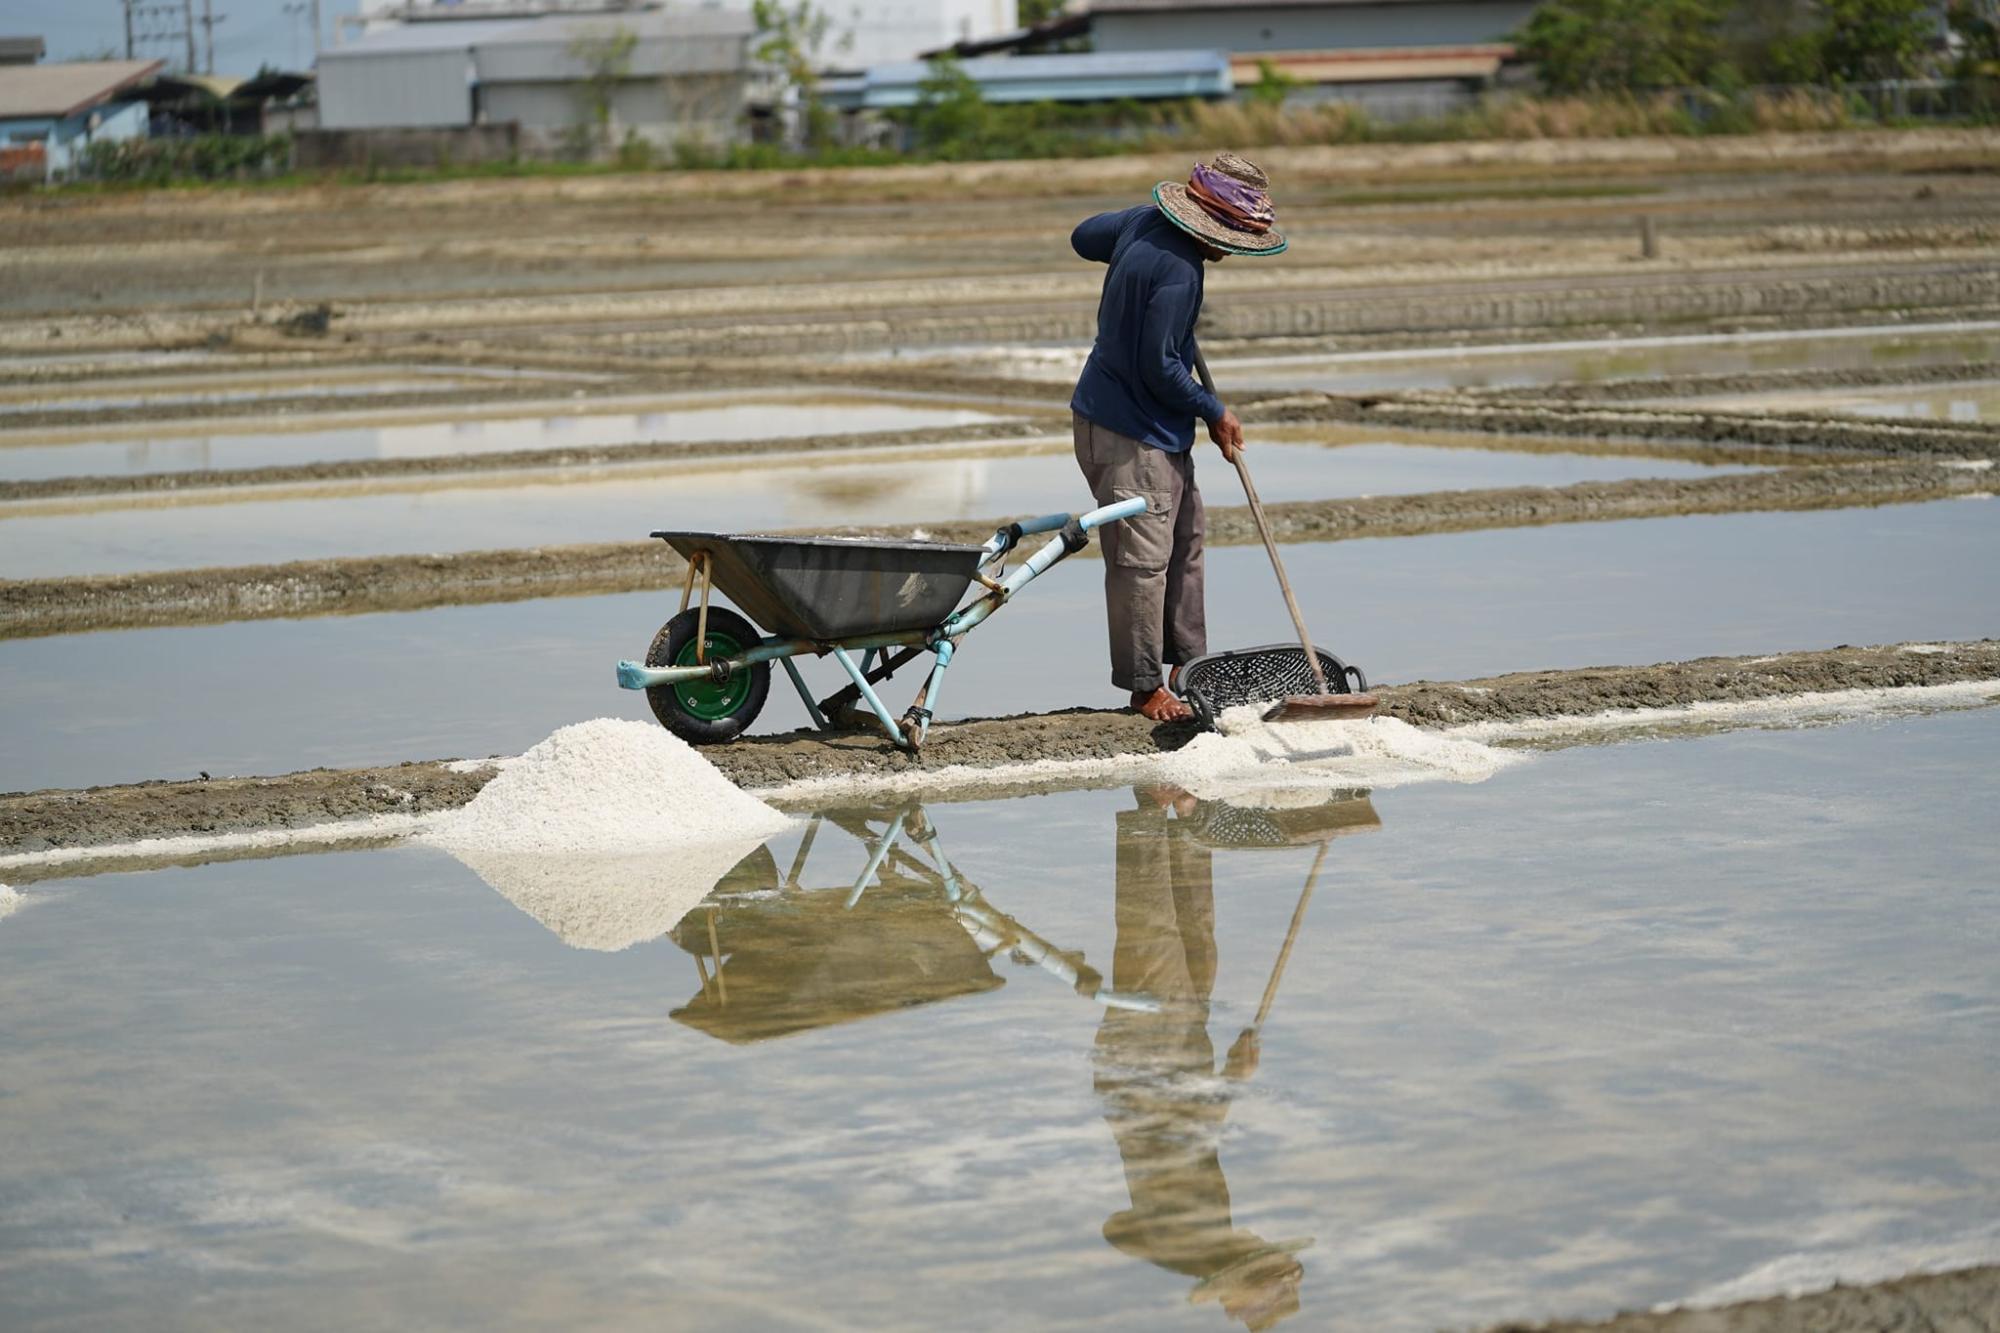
(1967, 1301)
(31, 607)
(512, 460)
(1802, 436)
(1762, 381)
(105, 816)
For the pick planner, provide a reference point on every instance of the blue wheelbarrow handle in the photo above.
(1006, 539)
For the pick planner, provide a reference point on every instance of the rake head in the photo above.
(1277, 675)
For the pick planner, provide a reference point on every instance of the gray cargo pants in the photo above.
(1152, 563)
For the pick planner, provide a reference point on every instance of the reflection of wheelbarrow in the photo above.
(908, 931)
(709, 671)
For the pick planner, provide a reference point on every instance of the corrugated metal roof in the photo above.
(444, 35)
(643, 24)
(33, 91)
(1085, 77)
(540, 49)
(1177, 6)
(1389, 67)
(22, 50)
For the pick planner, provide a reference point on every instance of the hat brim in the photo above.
(1192, 218)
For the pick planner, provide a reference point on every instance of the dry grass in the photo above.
(1515, 117)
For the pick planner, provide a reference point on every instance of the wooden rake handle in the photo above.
(1270, 545)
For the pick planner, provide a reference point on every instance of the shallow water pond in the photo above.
(276, 696)
(1622, 1026)
(1499, 365)
(1617, 359)
(1972, 400)
(586, 423)
(989, 480)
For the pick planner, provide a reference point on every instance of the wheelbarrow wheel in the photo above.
(707, 712)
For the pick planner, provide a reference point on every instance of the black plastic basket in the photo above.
(1219, 681)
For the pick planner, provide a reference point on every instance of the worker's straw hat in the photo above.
(1226, 203)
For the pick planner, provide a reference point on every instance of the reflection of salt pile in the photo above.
(10, 902)
(608, 832)
(1248, 752)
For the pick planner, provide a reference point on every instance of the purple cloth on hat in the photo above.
(1232, 202)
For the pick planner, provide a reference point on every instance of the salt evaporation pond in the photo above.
(1498, 365)
(276, 696)
(585, 423)
(988, 480)
(1622, 1026)
(1970, 400)
(1522, 364)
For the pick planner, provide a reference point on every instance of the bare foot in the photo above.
(1161, 706)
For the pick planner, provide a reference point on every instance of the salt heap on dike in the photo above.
(608, 832)
(1247, 754)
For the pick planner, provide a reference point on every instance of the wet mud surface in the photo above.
(102, 816)
(346, 586)
(1967, 1301)
(1799, 435)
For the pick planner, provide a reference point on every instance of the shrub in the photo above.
(205, 157)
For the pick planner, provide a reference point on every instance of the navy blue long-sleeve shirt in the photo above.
(1137, 381)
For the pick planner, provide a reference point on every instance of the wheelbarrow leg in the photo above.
(805, 695)
(917, 717)
(874, 700)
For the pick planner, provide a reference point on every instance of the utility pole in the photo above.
(128, 30)
(315, 9)
(187, 26)
(208, 22)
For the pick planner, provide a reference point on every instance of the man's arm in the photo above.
(1226, 431)
(1095, 238)
(1160, 364)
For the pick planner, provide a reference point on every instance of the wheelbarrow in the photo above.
(871, 605)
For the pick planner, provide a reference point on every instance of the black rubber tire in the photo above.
(670, 642)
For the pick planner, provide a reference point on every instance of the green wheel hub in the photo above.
(706, 699)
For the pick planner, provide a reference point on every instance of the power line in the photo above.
(159, 25)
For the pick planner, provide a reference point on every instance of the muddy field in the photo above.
(280, 465)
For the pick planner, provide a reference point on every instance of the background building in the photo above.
(1083, 77)
(859, 32)
(873, 32)
(664, 75)
(49, 114)
(1394, 57)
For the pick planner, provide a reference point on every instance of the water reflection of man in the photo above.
(1163, 1096)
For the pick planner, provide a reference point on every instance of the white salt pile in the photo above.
(608, 832)
(1247, 753)
(606, 786)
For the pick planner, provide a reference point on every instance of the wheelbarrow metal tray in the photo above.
(828, 588)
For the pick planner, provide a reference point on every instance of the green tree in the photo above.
(1273, 85)
(1624, 45)
(1031, 12)
(607, 62)
(1976, 25)
(789, 38)
(1836, 41)
(1860, 40)
(950, 117)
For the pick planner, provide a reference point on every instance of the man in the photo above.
(1136, 403)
